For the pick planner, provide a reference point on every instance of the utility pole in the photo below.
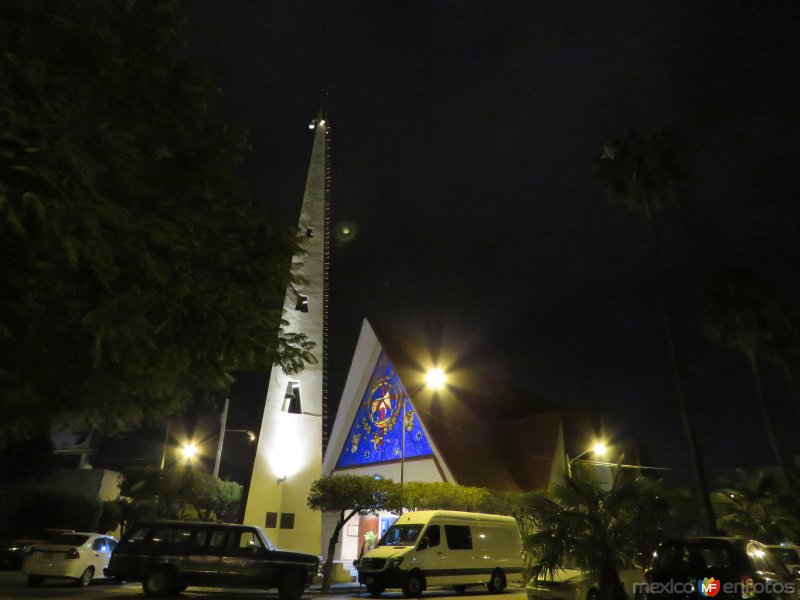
(223, 419)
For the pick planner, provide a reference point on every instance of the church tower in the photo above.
(290, 445)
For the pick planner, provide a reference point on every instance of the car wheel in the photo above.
(34, 580)
(158, 583)
(459, 589)
(291, 585)
(86, 577)
(376, 590)
(414, 585)
(497, 583)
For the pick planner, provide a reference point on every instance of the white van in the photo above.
(444, 548)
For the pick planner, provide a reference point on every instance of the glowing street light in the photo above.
(189, 451)
(435, 379)
(598, 449)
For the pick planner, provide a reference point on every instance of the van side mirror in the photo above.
(423, 544)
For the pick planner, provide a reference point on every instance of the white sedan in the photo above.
(78, 556)
(576, 584)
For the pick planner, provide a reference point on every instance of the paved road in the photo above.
(13, 586)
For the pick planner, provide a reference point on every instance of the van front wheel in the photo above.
(415, 585)
(497, 583)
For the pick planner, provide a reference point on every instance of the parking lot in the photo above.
(13, 586)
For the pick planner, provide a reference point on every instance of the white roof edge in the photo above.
(368, 349)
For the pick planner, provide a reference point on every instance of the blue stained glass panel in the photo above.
(376, 433)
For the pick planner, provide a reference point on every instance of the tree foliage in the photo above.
(762, 506)
(742, 313)
(601, 530)
(642, 173)
(136, 269)
(178, 493)
(349, 495)
(449, 496)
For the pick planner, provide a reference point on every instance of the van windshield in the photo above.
(400, 535)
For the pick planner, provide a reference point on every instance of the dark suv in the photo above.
(168, 556)
(719, 568)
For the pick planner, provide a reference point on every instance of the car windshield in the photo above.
(400, 535)
(68, 539)
(266, 539)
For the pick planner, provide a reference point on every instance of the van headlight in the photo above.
(393, 563)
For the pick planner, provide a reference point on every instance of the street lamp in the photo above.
(598, 449)
(252, 436)
(435, 379)
(189, 451)
(223, 419)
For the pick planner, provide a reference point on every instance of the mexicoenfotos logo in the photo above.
(708, 587)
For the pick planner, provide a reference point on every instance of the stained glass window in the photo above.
(377, 430)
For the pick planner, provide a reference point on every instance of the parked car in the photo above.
(442, 547)
(790, 556)
(13, 551)
(576, 583)
(721, 568)
(78, 556)
(169, 556)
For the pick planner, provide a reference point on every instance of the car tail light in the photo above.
(72, 553)
(748, 588)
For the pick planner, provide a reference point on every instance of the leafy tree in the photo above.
(350, 495)
(642, 172)
(760, 506)
(136, 269)
(212, 498)
(742, 313)
(602, 531)
(445, 496)
(179, 493)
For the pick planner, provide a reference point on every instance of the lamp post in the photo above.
(599, 449)
(223, 419)
(434, 379)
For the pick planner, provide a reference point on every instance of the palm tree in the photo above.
(742, 313)
(641, 173)
(784, 352)
(601, 530)
(760, 506)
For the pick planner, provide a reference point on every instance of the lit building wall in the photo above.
(289, 453)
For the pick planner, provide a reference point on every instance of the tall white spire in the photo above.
(290, 446)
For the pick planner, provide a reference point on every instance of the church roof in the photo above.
(488, 432)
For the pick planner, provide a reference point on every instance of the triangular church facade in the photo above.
(378, 430)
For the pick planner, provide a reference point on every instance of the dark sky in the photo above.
(463, 134)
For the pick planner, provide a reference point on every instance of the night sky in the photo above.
(463, 134)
